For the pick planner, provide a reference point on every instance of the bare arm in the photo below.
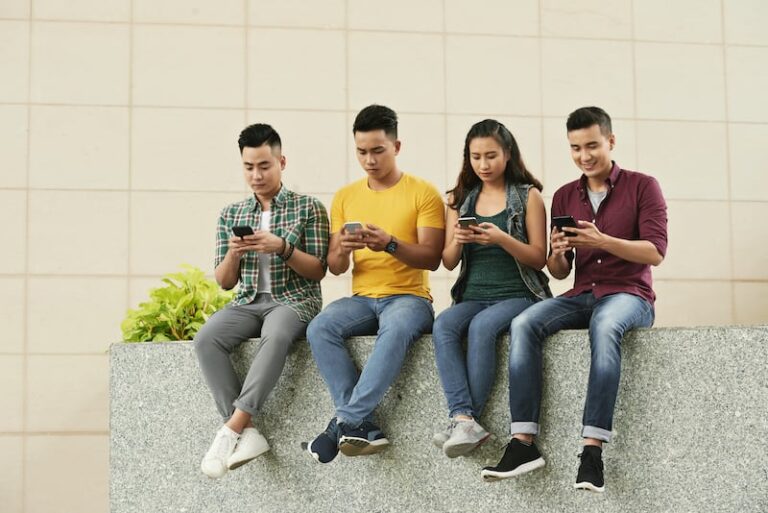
(637, 251)
(452, 248)
(532, 254)
(424, 254)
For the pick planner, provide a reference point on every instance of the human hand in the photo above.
(375, 238)
(349, 242)
(486, 233)
(586, 236)
(559, 242)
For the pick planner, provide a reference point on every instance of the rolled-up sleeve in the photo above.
(652, 215)
(316, 234)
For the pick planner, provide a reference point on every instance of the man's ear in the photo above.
(282, 162)
(397, 146)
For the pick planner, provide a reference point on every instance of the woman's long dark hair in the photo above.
(515, 172)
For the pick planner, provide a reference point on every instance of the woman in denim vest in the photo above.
(496, 228)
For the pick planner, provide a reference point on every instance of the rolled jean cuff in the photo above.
(464, 411)
(250, 410)
(596, 433)
(525, 428)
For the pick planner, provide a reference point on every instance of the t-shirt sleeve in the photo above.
(652, 218)
(431, 209)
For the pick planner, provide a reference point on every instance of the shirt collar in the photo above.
(280, 197)
(610, 181)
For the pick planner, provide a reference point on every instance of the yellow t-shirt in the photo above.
(409, 204)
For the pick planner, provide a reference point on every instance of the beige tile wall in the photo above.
(118, 127)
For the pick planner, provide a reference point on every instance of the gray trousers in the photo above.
(276, 324)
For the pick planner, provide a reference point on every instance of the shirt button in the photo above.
(594, 284)
(593, 220)
(599, 261)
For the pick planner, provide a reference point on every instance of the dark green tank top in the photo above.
(493, 273)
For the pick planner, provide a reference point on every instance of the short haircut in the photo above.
(259, 134)
(376, 117)
(585, 117)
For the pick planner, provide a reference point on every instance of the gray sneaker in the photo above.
(439, 438)
(466, 435)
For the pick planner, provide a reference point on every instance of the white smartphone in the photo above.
(353, 227)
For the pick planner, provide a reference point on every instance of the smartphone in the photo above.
(562, 221)
(466, 222)
(242, 231)
(353, 227)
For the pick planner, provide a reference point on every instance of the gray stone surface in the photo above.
(691, 430)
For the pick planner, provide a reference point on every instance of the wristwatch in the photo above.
(391, 246)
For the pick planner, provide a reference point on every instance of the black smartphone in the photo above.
(562, 221)
(466, 222)
(242, 231)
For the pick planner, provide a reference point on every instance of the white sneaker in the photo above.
(439, 438)
(466, 435)
(250, 445)
(214, 462)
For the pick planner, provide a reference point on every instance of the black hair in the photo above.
(376, 117)
(258, 134)
(515, 172)
(585, 117)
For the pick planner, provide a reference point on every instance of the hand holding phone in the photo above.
(562, 221)
(242, 231)
(353, 227)
(466, 222)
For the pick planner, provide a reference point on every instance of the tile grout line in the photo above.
(634, 82)
(542, 131)
(129, 209)
(25, 329)
(347, 160)
(447, 150)
(246, 61)
(321, 28)
(728, 170)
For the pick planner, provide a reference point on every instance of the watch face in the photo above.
(391, 247)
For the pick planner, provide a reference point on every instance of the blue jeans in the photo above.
(467, 383)
(397, 321)
(607, 318)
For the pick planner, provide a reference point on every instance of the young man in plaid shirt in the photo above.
(279, 268)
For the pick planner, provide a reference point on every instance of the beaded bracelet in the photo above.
(282, 249)
(291, 247)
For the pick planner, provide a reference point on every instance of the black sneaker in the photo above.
(518, 459)
(590, 475)
(325, 446)
(363, 440)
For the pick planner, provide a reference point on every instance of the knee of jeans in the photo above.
(479, 334)
(441, 330)
(203, 346)
(318, 329)
(521, 324)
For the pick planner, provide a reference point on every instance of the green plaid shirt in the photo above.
(299, 219)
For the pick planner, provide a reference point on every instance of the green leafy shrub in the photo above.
(176, 311)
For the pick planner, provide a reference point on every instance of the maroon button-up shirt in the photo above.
(633, 209)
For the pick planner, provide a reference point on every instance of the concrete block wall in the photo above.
(691, 429)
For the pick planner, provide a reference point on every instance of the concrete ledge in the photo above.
(691, 425)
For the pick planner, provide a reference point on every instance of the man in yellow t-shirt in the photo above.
(390, 225)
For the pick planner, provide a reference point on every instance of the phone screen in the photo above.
(562, 221)
(466, 222)
(242, 231)
(353, 227)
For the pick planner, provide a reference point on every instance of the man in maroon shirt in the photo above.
(622, 230)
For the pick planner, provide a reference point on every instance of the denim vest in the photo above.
(517, 198)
